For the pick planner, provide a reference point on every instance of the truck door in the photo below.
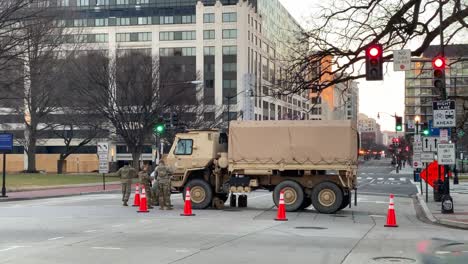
(183, 154)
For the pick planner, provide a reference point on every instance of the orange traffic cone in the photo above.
(136, 200)
(281, 209)
(391, 216)
(188, 204)
(143, 203)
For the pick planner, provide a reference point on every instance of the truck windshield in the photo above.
(184, 147)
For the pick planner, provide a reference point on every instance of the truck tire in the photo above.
(293, 195)
(233, 200)
(201, 193)
(327, 197)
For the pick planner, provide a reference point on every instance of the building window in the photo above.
(169, 52)
(102, 2)
(166, 20)
(133, 37)
(142, 2)
(82, 3)
(80, 23)
(144, 20)
(188, 19)
(177, 35)
(63, 3)
(229, 50)
(209, 18)
(122, 2)
(208, 34)
(209, 51)
(229, 33)
(123, 21)
(230, 67)
(101, 22)
(229, 17)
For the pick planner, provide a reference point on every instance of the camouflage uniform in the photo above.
(164, 186)
(145, 182)
(155, 191)
(126, 174)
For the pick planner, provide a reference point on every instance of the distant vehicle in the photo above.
(313, 162)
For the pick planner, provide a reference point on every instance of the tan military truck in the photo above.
(313, 162)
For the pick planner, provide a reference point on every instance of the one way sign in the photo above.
(430, 144)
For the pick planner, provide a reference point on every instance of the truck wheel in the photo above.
(327, 197)
(293, 195)
(200, 193)
(242, 202)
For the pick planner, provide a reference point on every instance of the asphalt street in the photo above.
(97, 229)
(378, 177)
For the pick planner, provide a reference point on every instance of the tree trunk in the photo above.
(61, 163)
(32, 140)
(136, 160)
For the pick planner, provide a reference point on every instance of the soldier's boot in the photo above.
(125, 203)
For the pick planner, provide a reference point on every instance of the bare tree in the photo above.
(340, 34)
(129, 93)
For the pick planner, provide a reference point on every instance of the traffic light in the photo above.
(175, 120)
(374, 63)
(438, 64)
(425, 129)
(159, 127)
(398, 123)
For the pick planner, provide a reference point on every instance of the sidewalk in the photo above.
(432, 210)
(61, 191)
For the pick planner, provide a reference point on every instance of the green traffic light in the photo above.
(399, 128)
(159, 128)
(426, 132)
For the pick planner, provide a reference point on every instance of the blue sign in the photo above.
(6, 142)
(434, 131)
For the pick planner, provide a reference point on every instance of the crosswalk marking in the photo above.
(369, 178)
(380, 179)
(391, 179)
(359, 178)
(402, 179)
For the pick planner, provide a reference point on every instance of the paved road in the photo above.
(378, 177)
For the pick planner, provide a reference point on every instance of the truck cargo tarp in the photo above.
(293, 142)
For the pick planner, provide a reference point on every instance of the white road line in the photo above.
(391, 179)
(402, 179)
(371, 173)
(90, 231)
(380, 179)
(369, 178)
(54, 238)
(107, 248)
(117, 225)
(359, 178)
(11, 248)
(377, 216)
(363, 173)
(377, 202)
(412, 182)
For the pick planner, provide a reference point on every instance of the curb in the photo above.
(55, 196)
(444, 222)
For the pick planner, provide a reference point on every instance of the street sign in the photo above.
(461, 133)
(444, 136)
(429, 144)
(417, 138)
(411, 124)
(402, 60)
(427, 157)
(6, 142)
(446, 154)
(103, 153)
(417, 164)
(444, 113)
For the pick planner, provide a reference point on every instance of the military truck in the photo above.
(312, 162)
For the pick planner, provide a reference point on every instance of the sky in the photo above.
(377, 96)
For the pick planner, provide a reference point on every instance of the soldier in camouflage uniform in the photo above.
(145, 182)
(154, 188)
(164, 186)
(126, 174)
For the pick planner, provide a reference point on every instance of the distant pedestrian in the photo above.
(164, 186)
(126, 174)
(145, 182)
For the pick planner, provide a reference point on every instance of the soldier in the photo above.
(154, 188)
(126, 174)
(145, 182)
(164, 186)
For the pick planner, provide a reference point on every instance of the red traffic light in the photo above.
(438, 63)
(374, 51)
